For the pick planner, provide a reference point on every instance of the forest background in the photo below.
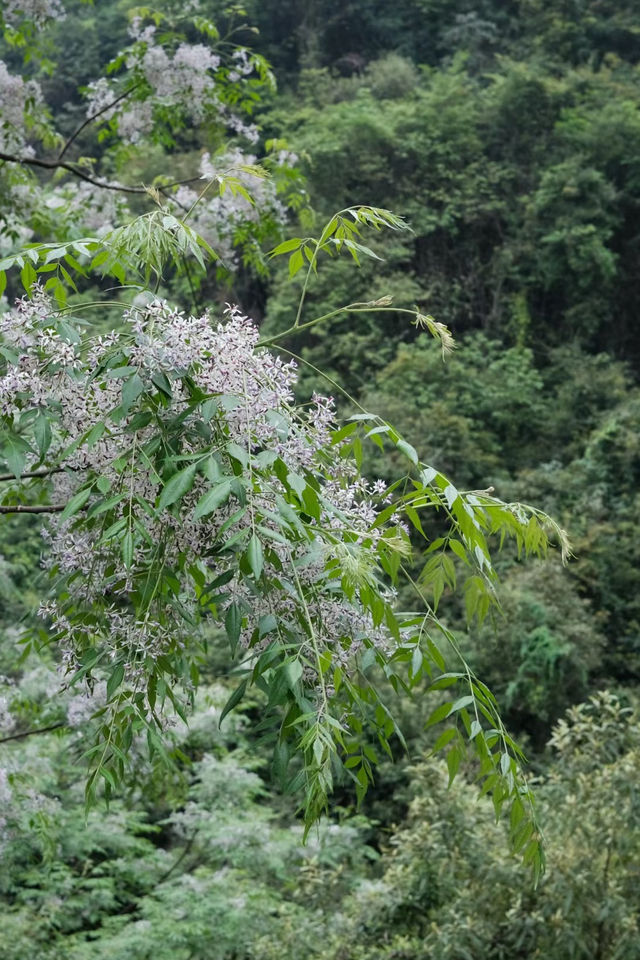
(508, 135)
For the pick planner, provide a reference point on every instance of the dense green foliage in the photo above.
(508, 136)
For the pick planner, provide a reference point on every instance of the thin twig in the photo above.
(194, 298)
(94, 116)
(178, 861)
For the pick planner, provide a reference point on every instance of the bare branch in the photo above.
(94, 116)
(31, 733)
(45, 472)
(78, 172)
(178, 861)
(28, 508)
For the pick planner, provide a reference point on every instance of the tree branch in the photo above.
(78, 172)
(31, 733)
(45, 472)
(94, 116)
(178, 861)
(27, 508)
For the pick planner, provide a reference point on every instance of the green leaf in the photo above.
(162, 382)
(408, 451)
(453, 763)
(238, 453)
(115, 680)
(103, 484)
(266, 625)
(445, 737)
(233, 700)
(293, 672)
(414, 518)
(212, 499)
(94, 434)
(179, 484)
(15, 454)
(76, 503)
(440, 713)
(127, 549)
(233, 625)
(461, 703)
(476, 728)
(131, 390)
(255, 556)
(42, 433)
(286, 247)
(28, 276)
(296, 260)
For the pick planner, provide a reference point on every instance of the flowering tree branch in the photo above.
(212, 507)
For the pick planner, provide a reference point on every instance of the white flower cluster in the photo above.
(218, 217)
(17, 98)
(82, 706)
(87, 208)
(37, 11)
(254, 414)
(185, 79)
(99, 96)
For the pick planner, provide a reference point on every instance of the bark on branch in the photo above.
(45, 472)
(80, 173)
(28, 508)
(31, 733)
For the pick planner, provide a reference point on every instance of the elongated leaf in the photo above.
(115, 680)
(233, 625)
(42, 433)
(255, 556)
(440, 713)
(127, 549)
(286, 247)
(179, 484)
(233, 700)
(408, 450)
(212, 499)
(76, 503)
